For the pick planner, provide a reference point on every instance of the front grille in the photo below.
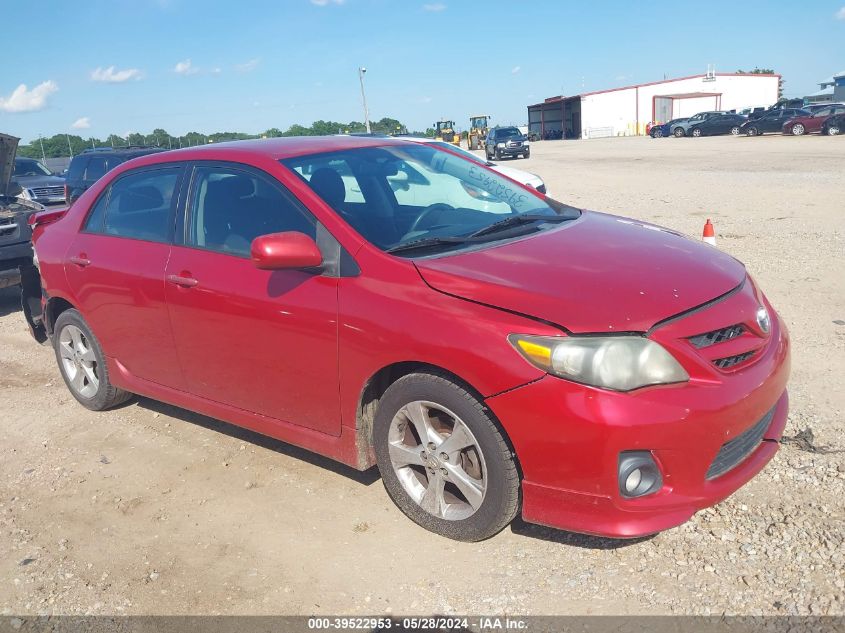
(542, 189)
(717, 336)
(8, 226)
(49, 192)
(730, 361)
(736, 450)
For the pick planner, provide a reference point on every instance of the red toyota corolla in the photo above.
(388, 303)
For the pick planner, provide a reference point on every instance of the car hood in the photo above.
(520, 176)
(29, 182)
(599, 273)
(8, 148)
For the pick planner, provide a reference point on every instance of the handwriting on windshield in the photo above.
(493, 185)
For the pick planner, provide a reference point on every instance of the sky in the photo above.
(116, 66)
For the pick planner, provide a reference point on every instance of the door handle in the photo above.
(184, 282)
(80, 260)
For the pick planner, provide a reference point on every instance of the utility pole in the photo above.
(361, 72)
(69, 148)
(43, 155)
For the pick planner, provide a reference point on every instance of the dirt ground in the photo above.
(149, 509)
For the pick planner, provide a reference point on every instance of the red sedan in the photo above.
(390, 303)
(813, 123)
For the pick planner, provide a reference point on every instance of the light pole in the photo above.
(361, 72)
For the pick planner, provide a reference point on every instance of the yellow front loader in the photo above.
(479, 125)
(445, 131)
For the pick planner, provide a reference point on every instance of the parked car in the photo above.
(770, 121)
(15, 249)
(92, 164)
(716, 125)
(752, 112)
(807, 124)
(506, 141)
(37, 182)
(679, 130)
(665, 129)
(834, 125)
(526, 178)
(598, 373)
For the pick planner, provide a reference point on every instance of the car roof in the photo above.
(272, 148)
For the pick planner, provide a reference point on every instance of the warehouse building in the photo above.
(626, 111)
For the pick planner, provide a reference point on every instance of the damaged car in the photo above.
(491, 350)
(15, 212)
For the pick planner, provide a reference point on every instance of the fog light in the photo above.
(639, 474)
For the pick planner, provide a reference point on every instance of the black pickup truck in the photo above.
(15, 247)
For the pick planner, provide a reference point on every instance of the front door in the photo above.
(259, 340)
(115, 267)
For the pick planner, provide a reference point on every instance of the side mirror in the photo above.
(14, 188)
(291, 249)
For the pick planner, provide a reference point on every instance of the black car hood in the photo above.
(28, 182)
(8, 149)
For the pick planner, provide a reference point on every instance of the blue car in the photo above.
(660, 131)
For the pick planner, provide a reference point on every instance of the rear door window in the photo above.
(139, 205)
(96, 168)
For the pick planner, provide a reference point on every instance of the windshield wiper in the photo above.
(427, 243)
(516, 220)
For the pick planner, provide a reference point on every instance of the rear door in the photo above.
(263, 341)
(115, 267)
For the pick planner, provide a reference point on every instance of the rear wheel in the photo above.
(751, 131)
(833, 130)
(679, 132)
(82, 363)
(798, 129)
(443, 460)
(735, 130)
(696, 132)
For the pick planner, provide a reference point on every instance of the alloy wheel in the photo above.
(696, 132)
(797, 129)
(437, 460)
(735, 130)
(833, 130)
(79, 361)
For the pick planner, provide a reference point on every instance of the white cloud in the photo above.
(82, 123)
(840, 15)
(110, 75)
(185, 67)
(515, 69)
(216, 71)
(248, 67)
(434, 6)
(323, 3)
(24, 100)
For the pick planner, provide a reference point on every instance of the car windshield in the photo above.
(30, 167)
(416, 199)
(506, 133)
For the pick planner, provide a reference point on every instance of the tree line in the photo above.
(62, 145)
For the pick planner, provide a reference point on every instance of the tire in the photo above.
(497, 154)
(678, 132)
(526, 155)
(83, 365)
(412, 469)
(833, 130)
(735, 130)
(695, 132)
(658, 133)
(798, 130)
(751, 131)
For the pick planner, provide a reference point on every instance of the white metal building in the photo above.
(626, 111)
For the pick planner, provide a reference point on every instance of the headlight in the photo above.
(500, 144)
(26, 194)
(621, 363)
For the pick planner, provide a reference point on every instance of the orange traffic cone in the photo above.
(709, 235)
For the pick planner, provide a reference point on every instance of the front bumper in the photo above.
(568, 438)
(513, 151)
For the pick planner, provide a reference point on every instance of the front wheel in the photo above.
(658, 133)
(497, 154)
(833, 130)
(735, 130)
(752, 131)
(443, 460)
(798, 129)
(526, 154)
(82, 363)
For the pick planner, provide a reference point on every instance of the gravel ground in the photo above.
(149, 509)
